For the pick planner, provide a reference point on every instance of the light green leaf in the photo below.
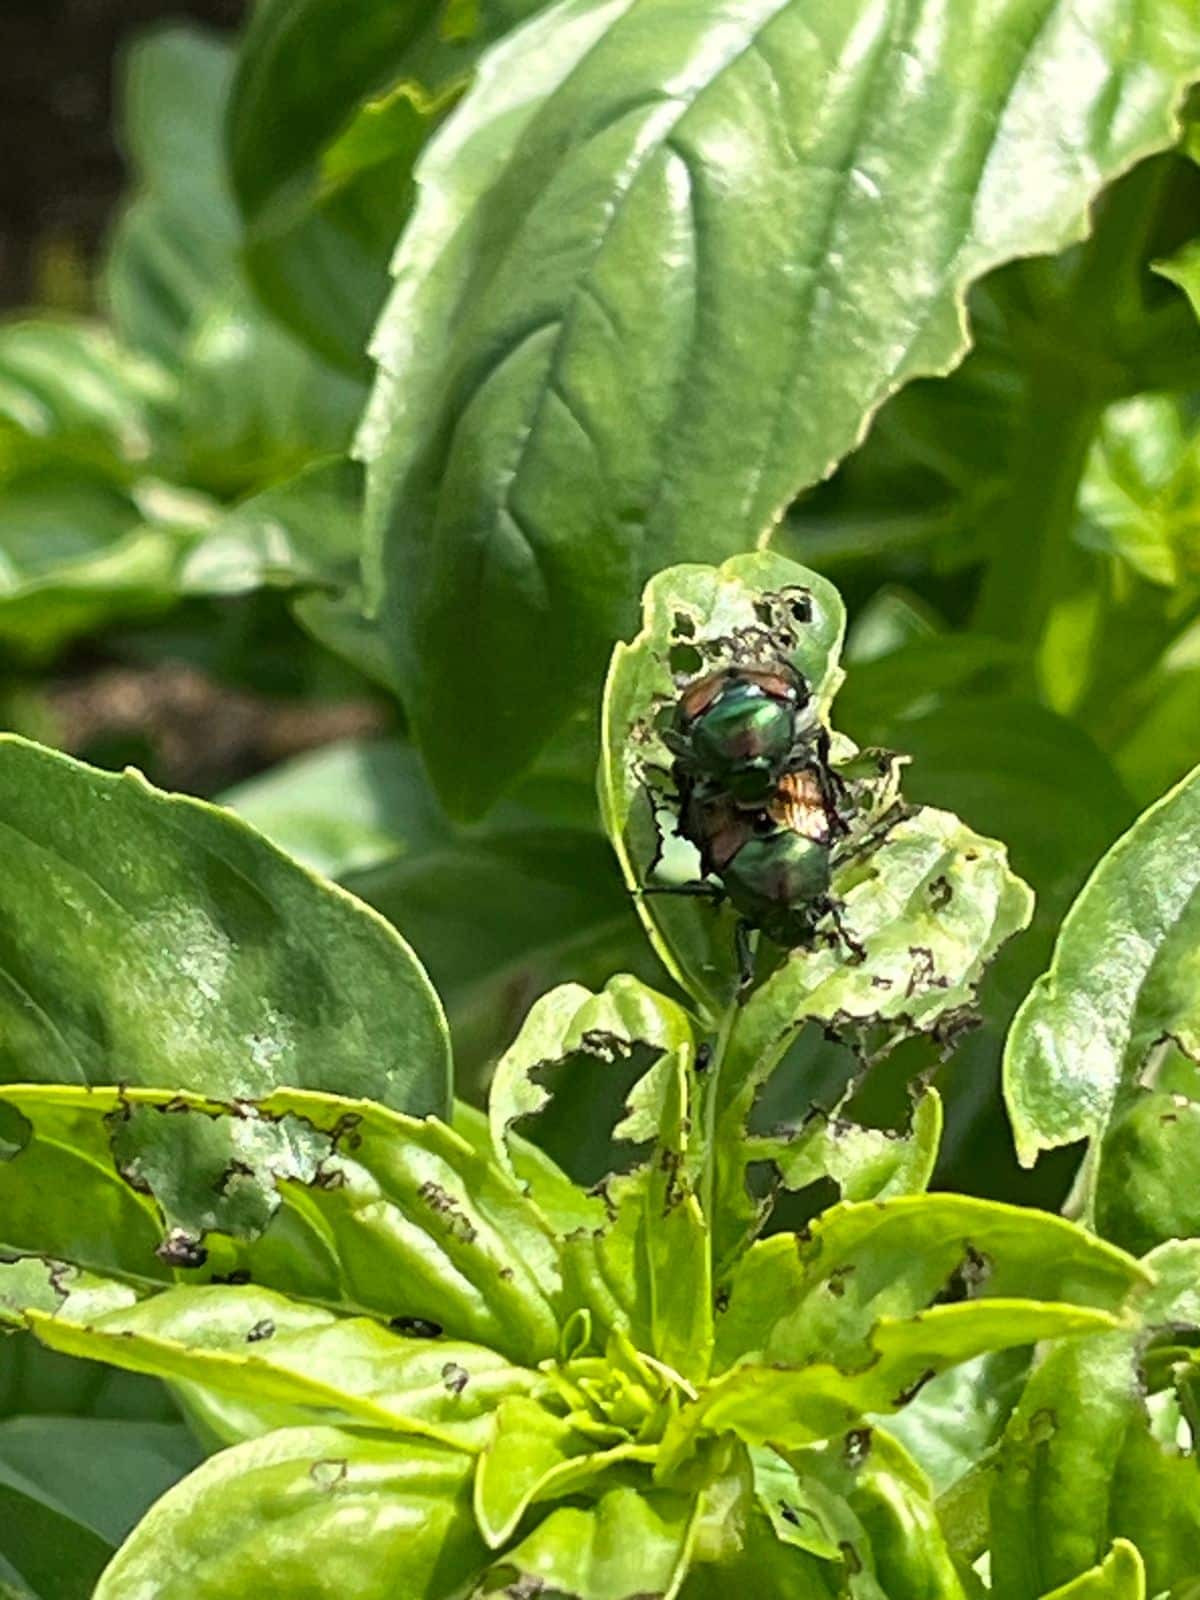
(690, 616)
(534, 1456)
(794, 1405)
(272, 975)
(1121, 1576)
(1122, 978)
(958, 1417)
(622, 336)
(338, 1202)
(618, 1064)
(865, 1163)
(881, 1297)
(1183, 268)
(268, 1351)
(627, 1546)
(273, 1516)
(876, 1505)
(1139, 498)
(67, 388)
(809, 1299)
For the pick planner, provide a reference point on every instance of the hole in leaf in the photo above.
(684, 660)
(684, 625)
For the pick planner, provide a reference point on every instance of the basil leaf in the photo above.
(1079, 1464)
(597, 358)
(1120, 1576)
(341, 1203)
(271, 1516)
(1121, 979)
(626, 1545)
(280, 979)
(268, 1351)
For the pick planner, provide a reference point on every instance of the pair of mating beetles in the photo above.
(758, 797)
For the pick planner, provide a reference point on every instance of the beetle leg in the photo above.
(745, 952)
(700, 890)
(858, 951)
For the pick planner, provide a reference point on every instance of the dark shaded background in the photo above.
(60, 171)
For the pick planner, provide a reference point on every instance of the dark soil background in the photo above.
(60, 170)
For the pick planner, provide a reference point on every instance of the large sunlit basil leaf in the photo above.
(338, 1202)
(1080, 1464)
(1122, 980)
(896, 1258)
(156, 938)
(272, 1517)
(630, 322)
(760, 605)
(331, 104)
(259, 1347)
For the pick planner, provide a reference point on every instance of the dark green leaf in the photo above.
(106, 1473)
(273, 976)
(330, 107)
(621, 337)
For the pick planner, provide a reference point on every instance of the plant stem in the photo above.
(1031, 539)
(709, 1106)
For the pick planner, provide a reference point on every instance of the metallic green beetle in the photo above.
(739, 730)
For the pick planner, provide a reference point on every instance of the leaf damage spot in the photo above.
(329, 1475)
(857, 1447)
(455, 1377)
(181, 1249)
(445, 1205)
(416, 1327)
(912, 1390)
(968, 1277)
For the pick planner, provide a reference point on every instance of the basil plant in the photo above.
(571, 1346)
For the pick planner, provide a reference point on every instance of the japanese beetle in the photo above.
(774, 863)
(737, 731)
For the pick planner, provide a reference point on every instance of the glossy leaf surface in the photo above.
(156, 937)
(251, 1520)
(630, 324)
